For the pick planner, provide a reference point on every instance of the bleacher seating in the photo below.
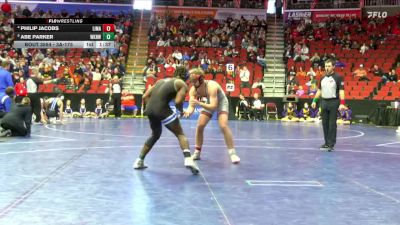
(384, 56)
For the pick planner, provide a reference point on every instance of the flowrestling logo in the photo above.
(375, 14)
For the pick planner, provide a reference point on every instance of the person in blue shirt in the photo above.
(5, 77)
(6, 100)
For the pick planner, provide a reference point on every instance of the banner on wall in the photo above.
(381, 11)
(297, 15)
(216, 13)
(319, 15)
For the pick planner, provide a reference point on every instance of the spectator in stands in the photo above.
(378, 72)
(288, 53)
(85, 86)
(318, 35)
(361, 73)
(177, 55)
(243, 107)
(312, 86)
(244, 77)
(160, 59)
(6, 8)
(315, 60)
(20, 90)
(170, 68)
(160, 42)
(117, 72)
(311, 73)
(319, 72)
(26, 12)
(297, 52)
(300, 91)
(355, 45)
(301, 73)
(372, 45)
(105, 75)
(305, 51)
(96, 75)
(150, 70)
(363, 48)
(228, 52)
(257, 108)
(186, 56)
(393, 76)
(291, 72)
(262, 60)
(344, 115)
(205, 62)
(292, 84)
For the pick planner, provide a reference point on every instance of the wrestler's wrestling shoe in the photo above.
(196, 155)
(190, 164)
(234, 158)
(139, 164)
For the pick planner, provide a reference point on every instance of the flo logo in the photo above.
(377, 14)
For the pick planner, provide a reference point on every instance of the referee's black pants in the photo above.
(36, 105)
(116, 99)
(329, 112)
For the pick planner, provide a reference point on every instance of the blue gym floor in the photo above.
(81, 173)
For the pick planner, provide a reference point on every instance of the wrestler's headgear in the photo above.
(199, 76)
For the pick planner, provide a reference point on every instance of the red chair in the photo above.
(246, 92)
(255, 90)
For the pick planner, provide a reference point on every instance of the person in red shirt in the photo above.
(6, 7)
(128, 102)
(20, 90)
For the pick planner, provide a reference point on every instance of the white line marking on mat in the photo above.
(372, 190)
(52, 137)
(214, 139)
(79, 148)
(215, 198)
(30, 142)
(284, 183)
(386, 144)
(208, 146)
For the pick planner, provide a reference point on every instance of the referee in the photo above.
(331, 91)
(115, 92)
(32, 86)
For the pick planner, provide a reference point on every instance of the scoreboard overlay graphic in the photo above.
(64, 33)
